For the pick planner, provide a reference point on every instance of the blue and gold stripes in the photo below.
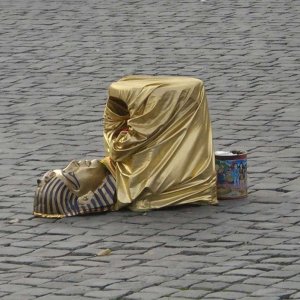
(54, 199)
(104, 196)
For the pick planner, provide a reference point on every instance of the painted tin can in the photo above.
(231, 167)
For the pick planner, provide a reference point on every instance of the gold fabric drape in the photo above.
(158, 134)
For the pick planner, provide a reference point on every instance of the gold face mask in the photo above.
(80, 188)
(82, 176)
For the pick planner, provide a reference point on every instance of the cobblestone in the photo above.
(57, 61)
(112, 294)
(225, 295)
(190, 294)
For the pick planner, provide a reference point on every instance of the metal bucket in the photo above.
(231, 167)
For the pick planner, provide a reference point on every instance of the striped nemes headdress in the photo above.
(54, 199)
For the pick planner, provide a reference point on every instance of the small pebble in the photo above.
(104, 252)
(14, 221)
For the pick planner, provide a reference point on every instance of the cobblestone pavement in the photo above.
(57, 60)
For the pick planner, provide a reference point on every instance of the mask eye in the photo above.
(75, 163)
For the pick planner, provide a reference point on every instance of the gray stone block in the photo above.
(270, 291)
(190, 294)
(225, 295)
(112, 294)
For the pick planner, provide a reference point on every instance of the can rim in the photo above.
(234, 154)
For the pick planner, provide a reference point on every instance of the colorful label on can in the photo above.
(231, 178)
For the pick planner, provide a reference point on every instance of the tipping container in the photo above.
(231, 167)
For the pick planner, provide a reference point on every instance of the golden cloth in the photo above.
(158, 134)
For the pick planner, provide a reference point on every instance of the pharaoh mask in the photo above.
(82, 187)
